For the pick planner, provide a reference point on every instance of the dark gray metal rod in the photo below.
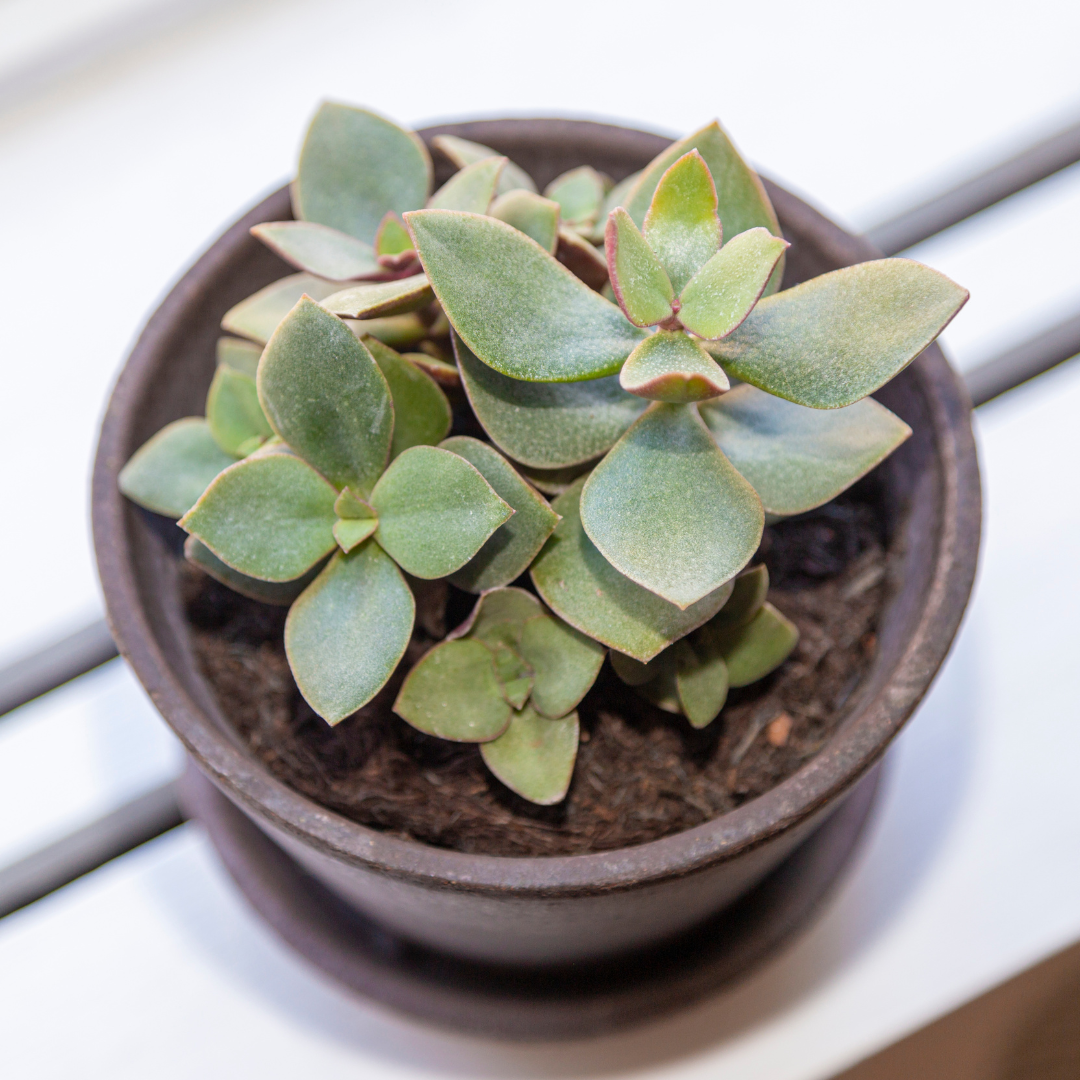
(931, 217)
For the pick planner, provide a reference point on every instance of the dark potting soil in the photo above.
(641, 773)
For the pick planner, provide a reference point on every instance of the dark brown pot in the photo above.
(541, 910)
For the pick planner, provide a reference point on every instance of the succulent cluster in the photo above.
(592, 333)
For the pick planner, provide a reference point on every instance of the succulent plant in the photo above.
(662, 389)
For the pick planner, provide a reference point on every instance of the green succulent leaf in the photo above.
(535, 756)
(377, 298)
(347, 505)
(470, 190)
(462, 152)
(547, 425)
(682, 226)
(743, 203)
(168, 473)
(586, 591)
(582, 259)
(510, 549)
(724, 291)
(634, 672)
(233, 411)
(443, 373)
(514, 675)
(663, 689)
(392, 238)
(279, 593)
(553, 481)
(531, 214)
(497, 609)
(258, 316)
(754, 649)
(238, 354)
(318, 249)
(669, 511)
(617, 196)
(422, 415)
(354, 167)
(453, 693)
(701, 684)
(751, 588)
(435, 511)
(798, 458)
(397, 331)
(326, 397)
(270, 517)
(514, 305)
(637, 275)
(671, 366)
(348, 631)
(350, 532)
(580, 195)
(564, 661)
(830, 341)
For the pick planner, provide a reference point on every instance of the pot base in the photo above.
(522, 1003)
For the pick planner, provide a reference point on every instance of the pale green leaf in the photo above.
(471, 189)
(354, 167)
(462, 152)
(514, 305)
(639, 280)
(422, 415)
(634, 672)
(514, 675)
(585, 590)
(751, 588)
(836, 338)
(397, 331)
(497, 608)
(669, 511)
(349, 532)
(798, 458)
(531, 214)
(756, 648)
(547, 425)
(701, 684)
(325, 396)
(453, 693)
(392, 238)
(168, 473)
(580, 195)
(682, 226)
(269, 517)
(318, 249)
(617, 196)
(582, 259)
(435, 511)
(379, 298)
(671, 366)
(279, 593)
(723, 292)
(535, 756)
(347, 505)
(258, 316)
(509, 551)
(348, 631)
(443, 373)
(238, 354)
(564, 661)
(234, 413)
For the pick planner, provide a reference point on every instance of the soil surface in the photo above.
(641, 773)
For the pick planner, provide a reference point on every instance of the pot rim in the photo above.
(848, 754)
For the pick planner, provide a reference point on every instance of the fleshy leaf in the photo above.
(443, 373)
(392, 238)
(514, 305)
(663, 689)
(682, 226)
(325, 396)
(580, 195)
(233, 411)
(269, 517)
(462, 152)
(348, 631)
(751, 588)
(509, 551)
(495, 609)
(798, 458)
(535, 756)
(279, 593)
(347, 505)
(724, 291)
(637, 276)
(754, 649)
(258, 316)
(701, 684)
(435, 511)
(349, 532)
(354, 167)
(669, 511)
(471, 189)
(397, 331)
(370, 300)
(582, 259)
(514, 675)
(238, 354)
(453, 693)
(671, 366)
(836, 338)
(743, 203)
(168, 473)
(565, 664)
(617, 196)
(422, 414)
(634, 672)
(586, 591)
(318, 249)
(531, 214)
(553, 481)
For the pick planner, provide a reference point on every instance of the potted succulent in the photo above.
(381, 429)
